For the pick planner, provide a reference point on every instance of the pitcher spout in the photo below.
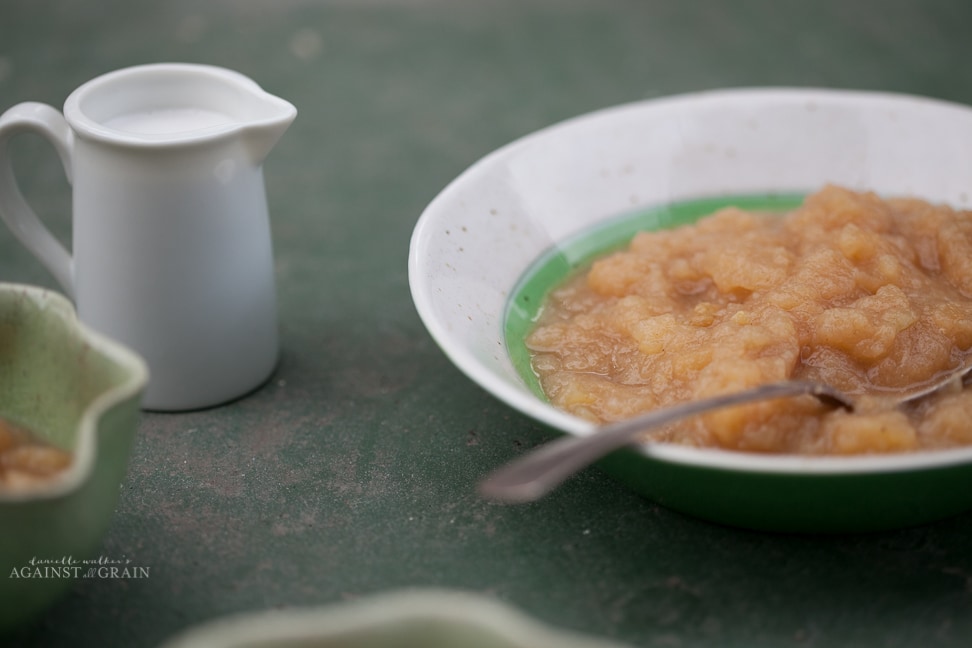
(263, 132)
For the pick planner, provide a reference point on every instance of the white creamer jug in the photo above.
(172, 253)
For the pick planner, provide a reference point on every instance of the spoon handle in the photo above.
(535, 474)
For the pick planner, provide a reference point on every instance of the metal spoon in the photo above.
(531, 476)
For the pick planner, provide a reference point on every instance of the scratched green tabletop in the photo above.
(352, 471)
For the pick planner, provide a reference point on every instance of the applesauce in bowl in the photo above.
(27, 460)
(871, 296)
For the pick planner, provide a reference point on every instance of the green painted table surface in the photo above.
(352, 471)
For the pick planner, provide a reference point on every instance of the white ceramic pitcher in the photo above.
(172, 253)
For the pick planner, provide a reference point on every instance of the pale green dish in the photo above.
(421, 618)
(79, 391)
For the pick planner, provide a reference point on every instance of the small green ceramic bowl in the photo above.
(421, 618)
(79, 391)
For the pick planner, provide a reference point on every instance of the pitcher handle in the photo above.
(32, 117)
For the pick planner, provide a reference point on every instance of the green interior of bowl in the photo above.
(49, 371)
(578, 252)
(864, 501)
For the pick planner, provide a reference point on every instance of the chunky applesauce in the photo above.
(871, 296)
(25, 460)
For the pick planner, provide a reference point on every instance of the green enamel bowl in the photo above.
(79, 391)
(492, 243)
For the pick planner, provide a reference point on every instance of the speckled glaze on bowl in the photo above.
(79, 391)
(473, 244)
(420, 618)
